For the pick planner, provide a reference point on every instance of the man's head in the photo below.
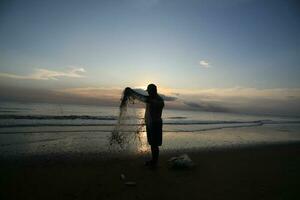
(152, 90)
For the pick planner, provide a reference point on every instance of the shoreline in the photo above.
(253, 172)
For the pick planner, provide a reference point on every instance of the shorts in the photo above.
(154, 133)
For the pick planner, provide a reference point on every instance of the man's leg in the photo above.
(155, 153)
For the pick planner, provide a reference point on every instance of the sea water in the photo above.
(32, 128)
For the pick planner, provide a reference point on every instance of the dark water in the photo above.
(53, 128)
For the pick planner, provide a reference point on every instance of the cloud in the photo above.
(108, 93)
(46, 74)
(102, 96)
(176, 94)
(204, 63)
(277, 101)
(168, 98)
(95, 92)
(245, 93)
(205, 106)
(105, 97)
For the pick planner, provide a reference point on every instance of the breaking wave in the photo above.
(59, 117)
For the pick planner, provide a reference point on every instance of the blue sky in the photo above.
(186, 46)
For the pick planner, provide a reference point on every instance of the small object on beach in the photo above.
(130, 183)
(122, 177)
(181, 162)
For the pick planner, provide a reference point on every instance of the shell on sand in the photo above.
(130, 183)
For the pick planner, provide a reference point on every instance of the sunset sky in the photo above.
(213, 55)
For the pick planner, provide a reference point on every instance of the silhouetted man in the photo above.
(153, 121)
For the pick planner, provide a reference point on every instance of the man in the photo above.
(153, 121)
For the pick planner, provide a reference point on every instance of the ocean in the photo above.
(43, 129)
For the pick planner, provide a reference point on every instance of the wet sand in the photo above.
(256, 172)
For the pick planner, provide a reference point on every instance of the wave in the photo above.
(177, 123)
(129, 131)
(8, 111)
(13, 108)
(58, 117)
(67, 117)
(177, 118)
(168, 120)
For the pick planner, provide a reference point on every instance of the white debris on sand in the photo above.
(122, 177)
(130, 183)
(181, 162)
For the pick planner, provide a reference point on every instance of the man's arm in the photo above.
(140, 97)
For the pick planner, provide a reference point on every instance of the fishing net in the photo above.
(130, 125)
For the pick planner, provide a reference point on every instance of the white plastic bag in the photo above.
(181, 162)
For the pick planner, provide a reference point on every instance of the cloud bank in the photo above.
(45, 74)
(206, 106)
(279, 101)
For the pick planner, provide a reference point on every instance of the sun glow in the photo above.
(143, 147)
(144, 87)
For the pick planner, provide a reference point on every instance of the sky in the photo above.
(212, 55)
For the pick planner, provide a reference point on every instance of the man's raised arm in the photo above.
(131, 92)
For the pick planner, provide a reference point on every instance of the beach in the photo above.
(253, 172)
